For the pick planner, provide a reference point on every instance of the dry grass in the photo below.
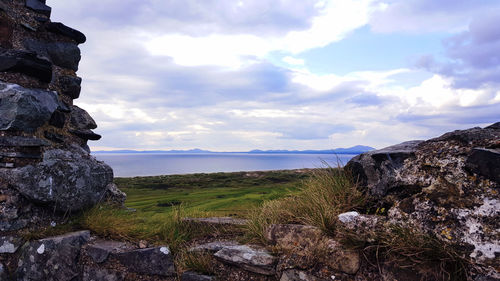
(201, 262)
(114, 223)
(326, 194)
(410, 249)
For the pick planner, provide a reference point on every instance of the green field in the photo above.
(218, 194)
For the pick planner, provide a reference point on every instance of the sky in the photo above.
(236, 75)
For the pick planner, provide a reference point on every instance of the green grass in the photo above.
(219, 194)
(161, 203)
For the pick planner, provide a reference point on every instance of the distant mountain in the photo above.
(351, 150)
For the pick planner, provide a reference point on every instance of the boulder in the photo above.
(39, 7)
(80, 119)
(67, 180)
(54, 258)
(114, 196)
(70, 86)
(25, 62)
(58, 119)
(151, 261)
(213, 247)
(193, 276)
(100, 250)
(454, 186)
(304, 240)
(102, 274)
(253, 259)
(86, 134)
(293, 236)
(25, 109)
(62, 54)
(377, 170)
(59, 28)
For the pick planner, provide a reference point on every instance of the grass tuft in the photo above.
(410, 249)
(326, 194)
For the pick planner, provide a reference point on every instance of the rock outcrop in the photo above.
(45, 163)
(448, 187)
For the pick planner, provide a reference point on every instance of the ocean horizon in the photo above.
(155, 164)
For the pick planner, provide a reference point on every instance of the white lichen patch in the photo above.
(348, 217)
(7, 247)
(490, 207)
(165, 250)
(41, 249)
(474, 233)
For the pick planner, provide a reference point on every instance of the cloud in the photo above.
(422, 16)
(473, 56)
(293, 61)
(185, 74)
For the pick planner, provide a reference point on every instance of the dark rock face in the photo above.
(152, 261)
(62, 54)
(77, 182)
(193, 276)
(28, 63)
(80, 119)
(454, 182)
(24, 109)
(64, 30)
(39, 7)
(53, 258)
(57, 119)
(377, 170)
(70, 86)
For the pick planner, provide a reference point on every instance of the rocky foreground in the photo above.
(445, 189)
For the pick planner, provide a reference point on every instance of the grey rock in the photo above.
(213, 246)
(152, 261)
(377, 170)
(485, 162)
(80, 119)
(52, 136)
(193, 276)
(218, 220)
(446, 186)
(26, 62)
(66, 180)
(62, 54)
(28, 27)
(85, 134)
(57, 119)
(25, 109)
(9, 244)
(19, 141)
(64, 30)
(70, 86)
(115, 196)
(99, 251)
(101, 274)
(298, 275)
(252, 259)
(39, 7)
(54, 258)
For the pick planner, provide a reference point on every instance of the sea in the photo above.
(155, 164)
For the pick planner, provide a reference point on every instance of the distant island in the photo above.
(358, 149)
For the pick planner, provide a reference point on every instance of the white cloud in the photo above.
(293, 61)
(335, 21)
